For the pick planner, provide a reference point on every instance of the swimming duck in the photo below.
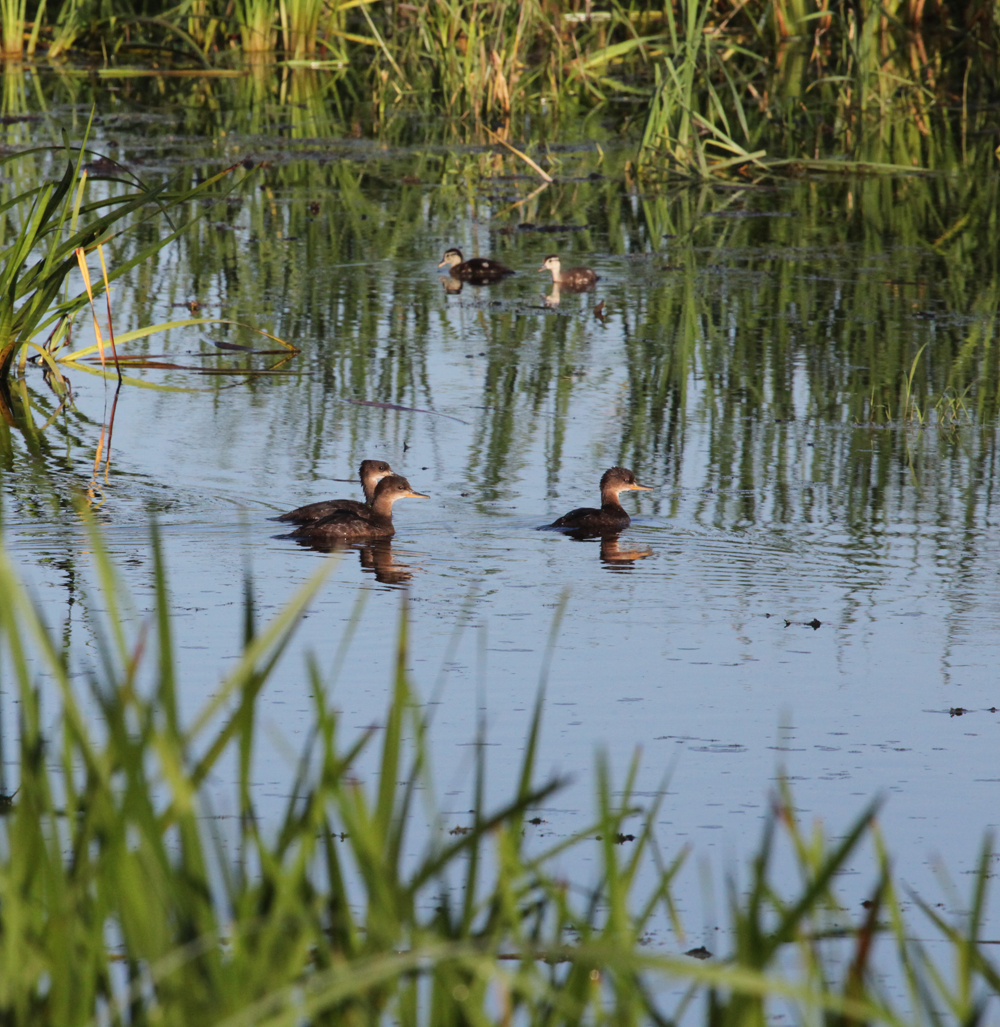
(478, 270)
(367, 522)
(573, 279)
(612, 516)
(371, 472)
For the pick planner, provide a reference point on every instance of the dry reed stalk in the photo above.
(545, 176)
(85, 271)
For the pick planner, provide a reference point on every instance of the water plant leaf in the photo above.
(46, 212)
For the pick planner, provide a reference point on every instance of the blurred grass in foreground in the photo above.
(118, 904)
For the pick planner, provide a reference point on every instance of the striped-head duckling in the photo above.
(476, 271)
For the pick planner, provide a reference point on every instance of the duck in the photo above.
(573, 279)
(478, 270)
(612, 516)
(374, 521)
(371, 472)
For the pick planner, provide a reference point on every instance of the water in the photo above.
(812, 587)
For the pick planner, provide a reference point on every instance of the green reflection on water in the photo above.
(829, 330)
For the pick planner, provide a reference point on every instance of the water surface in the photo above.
(805, 371)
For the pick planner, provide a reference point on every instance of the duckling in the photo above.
(477, 271)
(574, 279)
(611, 517)
(371, 472)
(367, 522)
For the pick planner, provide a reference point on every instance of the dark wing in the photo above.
(315, 511)
(479, 267)
(333, 522)
(574, 517)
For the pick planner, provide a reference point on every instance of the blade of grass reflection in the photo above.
(396, 406)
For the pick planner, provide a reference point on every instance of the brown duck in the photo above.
(573, 279)
(367, 522)
(371, 472)
(477, 271)
(612, 516)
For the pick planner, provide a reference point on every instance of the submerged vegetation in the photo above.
(127, 896)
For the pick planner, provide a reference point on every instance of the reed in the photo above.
(689, 117)
(719, 84)
(12, 29)
(256, 21)
(300, 20)
(51, 221)
(118, 905)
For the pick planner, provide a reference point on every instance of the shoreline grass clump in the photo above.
(119, 903)
(47, 228)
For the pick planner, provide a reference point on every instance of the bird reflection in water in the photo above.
(375, 554)
(612, 553)
(376, 558)
(614, 556)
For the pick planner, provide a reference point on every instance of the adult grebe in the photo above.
(367, 522)
(612, 516)
(371, 472)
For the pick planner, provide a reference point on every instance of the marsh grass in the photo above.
(715, 79)
(122, 901)
(45, 226)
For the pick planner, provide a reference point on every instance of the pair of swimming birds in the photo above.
(349, 519)
(480, 271)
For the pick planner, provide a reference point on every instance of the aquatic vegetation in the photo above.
(715, 83)
(46, 227)
(122, 901)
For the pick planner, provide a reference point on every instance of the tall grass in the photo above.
(43, 226)
(12, 18)
(120, 905)
(692, 123)
(704, 67)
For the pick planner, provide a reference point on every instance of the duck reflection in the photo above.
(376, 556)
(612, 553)
(452, 286)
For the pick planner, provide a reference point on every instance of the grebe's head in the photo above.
(395, 486)
(621, 479)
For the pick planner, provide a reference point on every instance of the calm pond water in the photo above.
(805, 372)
